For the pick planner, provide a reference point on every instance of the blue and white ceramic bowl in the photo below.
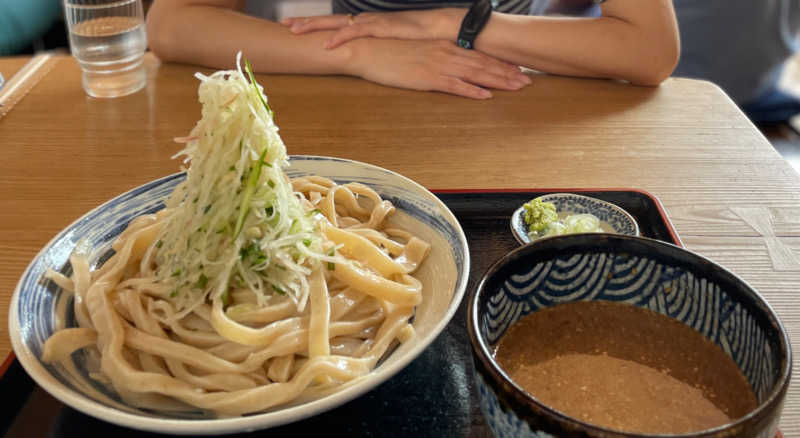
(638, 271)
(613, 219)
(36, 304)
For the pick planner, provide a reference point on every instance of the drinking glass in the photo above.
(108, 39)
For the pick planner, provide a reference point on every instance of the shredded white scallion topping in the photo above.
(236, 221)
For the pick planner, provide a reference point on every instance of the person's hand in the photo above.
(432, 66)
(406, 25)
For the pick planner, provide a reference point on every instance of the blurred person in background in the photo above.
(741, 45)
(418, 49)
(24, 25)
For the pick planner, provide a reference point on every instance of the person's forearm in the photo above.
(211, 36)
(643, 50)
(210, 32)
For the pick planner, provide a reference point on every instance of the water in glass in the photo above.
(108, 40)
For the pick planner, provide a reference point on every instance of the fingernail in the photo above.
(296, 27)
(527, 79)
(484, 94)
(326, 44)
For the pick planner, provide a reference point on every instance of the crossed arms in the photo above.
(633, 40)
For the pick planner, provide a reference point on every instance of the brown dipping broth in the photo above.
(625, 368)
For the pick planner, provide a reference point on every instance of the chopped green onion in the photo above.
(252, 181)
(202, 282)
(331, 265)
(245, 252)
(254, 253)
(253, 82)
(226, 299)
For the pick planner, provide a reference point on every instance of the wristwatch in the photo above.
(473, 23)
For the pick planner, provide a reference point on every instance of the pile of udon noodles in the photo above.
(233, 312)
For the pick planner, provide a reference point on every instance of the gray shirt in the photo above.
(740, 45)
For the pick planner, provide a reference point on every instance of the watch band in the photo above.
(473, 23)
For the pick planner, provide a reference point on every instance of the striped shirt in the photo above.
(358, 6)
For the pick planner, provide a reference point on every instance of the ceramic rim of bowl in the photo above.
(554, 244)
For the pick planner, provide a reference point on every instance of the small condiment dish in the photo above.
(630, 270)
(613, 219)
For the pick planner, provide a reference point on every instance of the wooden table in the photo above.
(730, 196)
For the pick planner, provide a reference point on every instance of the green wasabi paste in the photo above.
(539, 215)
(542, 220)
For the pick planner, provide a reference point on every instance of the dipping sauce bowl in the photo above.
(630, 270)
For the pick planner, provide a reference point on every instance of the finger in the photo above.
(480, 60)
(349, 33)
(454, 85)
(323, 22)
(288, 21)
(480, 74)
(483, 78)
(482, 57)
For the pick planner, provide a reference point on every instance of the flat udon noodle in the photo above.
(259, 357)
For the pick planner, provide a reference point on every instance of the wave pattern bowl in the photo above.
(633, 270)
(36, 304)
